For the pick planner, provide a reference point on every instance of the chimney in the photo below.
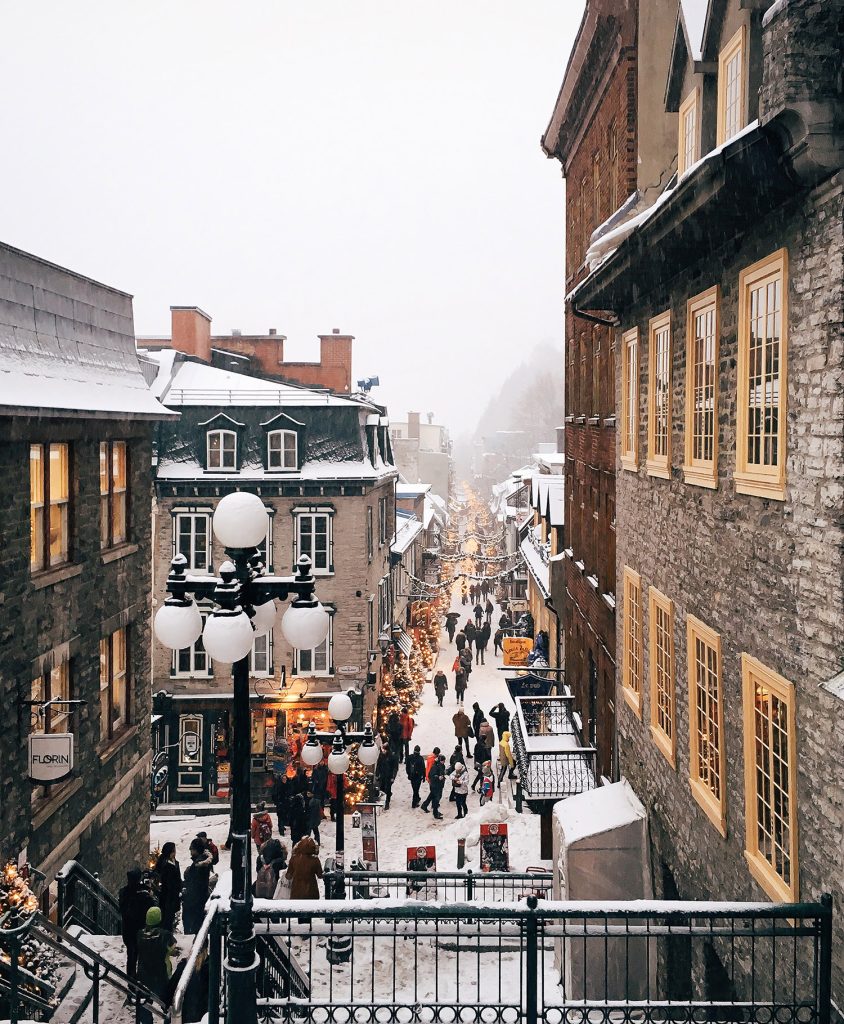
(190, 331)
(271, 332)
(413, 425)
(561, 439)
(335, 361)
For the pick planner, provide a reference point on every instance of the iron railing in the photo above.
(547, 716)
(556, 963)
(83, 900)
(444, 886)
(552, 775)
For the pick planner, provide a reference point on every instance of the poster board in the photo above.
(422, 858)
(495, 847)
(368, 836)
(516, 649)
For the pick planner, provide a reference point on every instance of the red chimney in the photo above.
(191, 331)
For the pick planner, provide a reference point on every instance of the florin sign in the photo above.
(50, 756)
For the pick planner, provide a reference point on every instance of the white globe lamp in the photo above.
(340, 707)
(312, 750)
(305, 624)
(240, 520)
(367, 751)
(264, 617)
(338, 759)
(228, 635)
(178, 624)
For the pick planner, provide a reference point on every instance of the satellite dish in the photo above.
(368, 384)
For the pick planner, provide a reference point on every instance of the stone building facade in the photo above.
(730, 460)
(322, 464)
(76, 420)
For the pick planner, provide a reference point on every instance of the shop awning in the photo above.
(404, 642)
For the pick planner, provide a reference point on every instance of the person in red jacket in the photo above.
(430, 759)
(407, 725)
(262, 826)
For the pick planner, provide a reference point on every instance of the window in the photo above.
(631, 676)
(732, 87)
(52, 685)
(382, 520)
(313, 538)
(770, 779)
(281, 449)
(630, 399)
(384, 613)
(612, 150)
(659, 396)
(193, 661)
(261, 655)
(222, 449)
(318, 661)
(596, 188)
(688, 146)
(760, 433)
(49, 505)
(369, 537)
(701, 466)
(113, 508)
(661, 617)
(596, 372)
(114, 691)
(707, 767)
(191, 538)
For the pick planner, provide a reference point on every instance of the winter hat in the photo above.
(153, 917)
(416, 749)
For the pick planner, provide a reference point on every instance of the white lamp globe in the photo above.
(228, 636)
(367, 751)
(178, 624)
(338, 762)
(240, 520)
(340, 708)
(264, 617)
(305, 625)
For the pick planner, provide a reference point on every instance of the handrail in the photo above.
(73, 867)
(199, 941)
(71, 910)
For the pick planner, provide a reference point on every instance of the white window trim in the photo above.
(269, 669)
(659, 465)
(629, 402)
(282, 434)
(221, 468)
(312, 513)
(329, 670)
(193, 673)
(177, 515)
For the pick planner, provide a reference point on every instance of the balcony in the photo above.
(551, 761)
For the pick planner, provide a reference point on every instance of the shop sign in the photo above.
(369, 836)
(495, 852)
(529, 685)
(349, 670)
(517, 649)
(50, 756)
(422, 858)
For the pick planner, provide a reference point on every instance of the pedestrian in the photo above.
(169, 886)
(460, 640)
(298, 818)
(451, 621)
(197, 887)
(319, 781)
(459, 683)
(505, 622)
(304, 870)
(487, 783)
(460, 782)
(479, 614)
(440, 686)
(156, 945)
(414, 766)
(281, 799)
(262, 825)
(470, 630)
(498, 642)
(505, 757)
(466, 661)
(462, 728)
(210, 846)
(477, 718)
(385, 772)
(485, 589)
(484, 732)
(272, 860)
(314, 816)
(408, 724)
(436, 784)
(501, 716)
(394, 731)
(480, 756)
(134, 900)
(489, 610)
(430, 761)
(481, 641)
(456, 755)
(464, 597)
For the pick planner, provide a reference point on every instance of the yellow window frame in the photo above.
(690, 105)
(737, 44)
(630, 400)
(663, 697)
(631, 675)
(714, 807)
(698, 471)
(659, 463)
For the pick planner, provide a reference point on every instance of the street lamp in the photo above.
(245, 608)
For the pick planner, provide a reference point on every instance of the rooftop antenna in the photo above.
(368, 384)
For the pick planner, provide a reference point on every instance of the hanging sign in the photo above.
(517, 649)
(529, 685)
(422, 858)
(50, 756)
(495, 853)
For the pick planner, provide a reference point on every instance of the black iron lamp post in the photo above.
(245, 600)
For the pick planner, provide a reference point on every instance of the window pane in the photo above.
(59, 494)
(105, 687)
(36, 506)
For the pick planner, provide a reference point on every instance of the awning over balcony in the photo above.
(537, 566)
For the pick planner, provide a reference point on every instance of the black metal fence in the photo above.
(547, 716)
(559, 963)
(84, 900)
(445, 886)
(553, 774)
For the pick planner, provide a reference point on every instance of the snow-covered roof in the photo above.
(406, 533)
(191, 469)
(693, 13)
(597, 812)
(411, 490)
(538, 569)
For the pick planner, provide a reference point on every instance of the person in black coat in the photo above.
(385, 772)
(414, 765)
(471, 631)
(456, 755)
(477, 717)
(281, 799)
(451, 625)
(461, 641)
(319, 781)
(466, 661)
(488, 609)
(197, 888)
(478, 611)
(481, 641)
(480, 756)
(135, 899)
(394, 731)
(436, 784)
(169, 886)
(501, 716)
(298, 817)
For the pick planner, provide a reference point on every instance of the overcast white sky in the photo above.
(372, 165)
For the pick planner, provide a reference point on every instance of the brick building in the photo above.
(592, 132)
(728, 294)
(76, 423)
(323, 466)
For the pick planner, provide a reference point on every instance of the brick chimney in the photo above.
(335, 356)
(191, 331)
(413, 425)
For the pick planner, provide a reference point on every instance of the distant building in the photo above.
(76, 425)
(423, 453)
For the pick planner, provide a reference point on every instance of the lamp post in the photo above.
(340, 709)
(245, 608)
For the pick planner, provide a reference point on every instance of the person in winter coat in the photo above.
(485, 733)
(505, 622)
(462, 728)
(451, 621)
(429, 761)
(197, 887)
(319, 781)
(459, 684)
(456, 755)
(135, 899)
(394, 732)
(461, 641)
(460, 781)
(505, 757)
(501, 716)
(304, 870)
(485, 589)
(497, 642)
(488, 609)
(481, 641)
(487, 783)
(262, 825)
(210, 846)
(414, 766)
(440, 686)
(272, 852)
(407, 726)
(480, 756)
(478, 612)
(298, 816)
(170, 886)
(386, 770)
(464, 593)
(314, 818)
(477, 717)
(470, 631)
(466, 661)
(155, 947)
(436, 784)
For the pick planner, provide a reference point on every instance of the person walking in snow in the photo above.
(451, 621)
(394, 732)
(477, 718)
(460, 640)
(481, 641)
(478, 612)
(456, 755)
(462, 728)
(407, 726)
(460, 781)
(505, 756)
(480, 756)
(385, 772)
(488, 609)
(436, 784)
(304, 870)
(501, 716)
(470, 631)
(197, 887)
(414, 766)
(430, 761)
(498, 642)
(485, 733)
(440, 686)
(487, 783)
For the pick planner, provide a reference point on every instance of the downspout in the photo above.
(583, 315)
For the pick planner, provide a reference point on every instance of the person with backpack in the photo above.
(262, 825)
(414, 766)
(466, 661)
(271, 862)
(487, 783)
(134, 900)
(156, 945)
(484, 732)
(197, 887)
(440, 686)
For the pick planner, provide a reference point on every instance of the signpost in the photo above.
(369, 836)
(495, 851)
(516, 649)
(50, 756)
(422, 858)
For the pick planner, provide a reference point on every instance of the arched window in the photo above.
(281, 449)
(222, 449)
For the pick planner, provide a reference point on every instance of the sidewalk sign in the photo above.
(516, 649)
(369, 836)
(422, 858)
(495, 850)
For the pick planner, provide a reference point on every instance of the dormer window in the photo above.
(732, 87)
(222, 449)
(282, 450)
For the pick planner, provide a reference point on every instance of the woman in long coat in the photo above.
(304, 870)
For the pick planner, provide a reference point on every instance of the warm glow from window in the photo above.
(630, 399)
(659, 396)
(707, 769)
(701, 466)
